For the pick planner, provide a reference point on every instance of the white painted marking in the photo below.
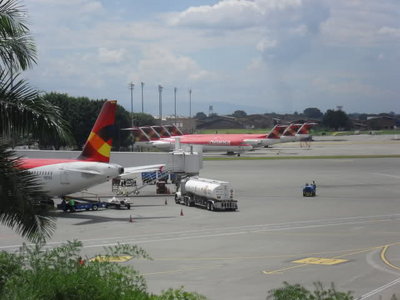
(388, 175)
(379, 289)
(225, 231)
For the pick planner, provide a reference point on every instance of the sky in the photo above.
(260, 56)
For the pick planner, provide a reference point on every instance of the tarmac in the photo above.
(347, 235)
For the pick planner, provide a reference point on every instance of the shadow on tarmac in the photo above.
(95, 219)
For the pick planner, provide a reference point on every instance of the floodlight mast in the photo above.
(142, 85)
(132, 86)
(160, 88)
(175, 90)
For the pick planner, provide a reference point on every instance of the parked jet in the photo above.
(149, 137)
(304, 132)
(61, 177)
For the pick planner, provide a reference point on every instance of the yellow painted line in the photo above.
(320, 261)
(282, 270)
(333, 258)
(101, 258)
(384, 259)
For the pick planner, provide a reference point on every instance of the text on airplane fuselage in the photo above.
(219, 142)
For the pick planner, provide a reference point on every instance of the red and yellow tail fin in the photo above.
(276, 132)
(173, 130)
(99, 143)
(305, 129)
(162, 132)
(139, 135)
(151, 133)
(292, 130)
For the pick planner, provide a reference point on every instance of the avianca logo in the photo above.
(217, 142)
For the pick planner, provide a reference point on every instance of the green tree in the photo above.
(200, 116)
(298, 292)
(37, 273)
(336, 119)
(81, 113)
(142, 119)
(239, 114)
(22, 114)
(313, 113)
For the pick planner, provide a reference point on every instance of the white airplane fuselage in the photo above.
(70, 177)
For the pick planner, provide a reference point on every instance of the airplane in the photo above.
(148, 136)
(289, 135)
(173, 130)
(304, 132)
(60, 177)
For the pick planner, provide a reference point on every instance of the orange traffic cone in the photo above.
(131, 220)
(181, 212)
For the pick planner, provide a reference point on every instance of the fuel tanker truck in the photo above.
(207, 193)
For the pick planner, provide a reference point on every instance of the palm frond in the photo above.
(17, 49)
(23, 112)
(20, 201)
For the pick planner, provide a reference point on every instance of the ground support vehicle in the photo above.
(162, 187)
(309, 190)
(207, 193)
(117, 203)
(66, 207)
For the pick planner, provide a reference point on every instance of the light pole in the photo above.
(160, 88)
(175, 90)
(142, 84)
(190, 110)
(131, 86)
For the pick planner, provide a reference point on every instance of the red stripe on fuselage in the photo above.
(30, 163)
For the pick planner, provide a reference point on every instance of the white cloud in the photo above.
(395, 32)
(232, 14)
(161, 65)
(111, 55)
(247, 49)
(265, 44)
(349, 88)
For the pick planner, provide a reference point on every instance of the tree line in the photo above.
(80, 113)
(330, 120)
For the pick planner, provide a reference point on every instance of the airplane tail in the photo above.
(162, 132)
(276, 132)
(140, 135)
(99, 143)
(291, 130)
(150, 132)
(305, 128)
(173, 130)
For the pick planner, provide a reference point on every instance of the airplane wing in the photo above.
(147, 168)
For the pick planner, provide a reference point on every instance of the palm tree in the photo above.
(22, 113)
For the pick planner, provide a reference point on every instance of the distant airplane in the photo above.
(289, 135)
(304, 132)
(60, 177)
(148, 136)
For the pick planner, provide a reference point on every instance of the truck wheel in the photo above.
(95, 207)
(128, 206)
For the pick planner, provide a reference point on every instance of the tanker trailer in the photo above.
(207, 193)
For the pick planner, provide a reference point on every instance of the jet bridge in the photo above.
(178, 163)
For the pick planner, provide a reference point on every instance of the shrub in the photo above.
(60, 273)
(298, 292)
